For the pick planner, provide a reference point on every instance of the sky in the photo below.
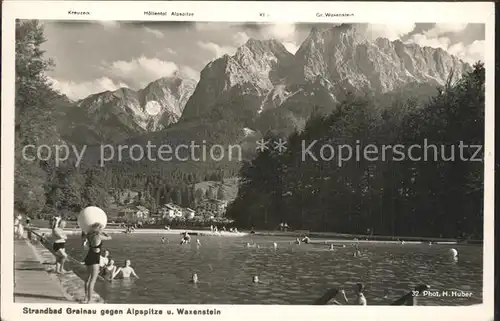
(95, 56)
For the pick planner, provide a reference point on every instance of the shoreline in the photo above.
(342, 237)
(71, 284)
(75, 231)
(318, 237)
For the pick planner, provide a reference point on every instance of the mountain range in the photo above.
(261, 87)
(113, 116)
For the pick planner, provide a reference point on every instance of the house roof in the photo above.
(215, 201)
(190, 210)
(142, 208)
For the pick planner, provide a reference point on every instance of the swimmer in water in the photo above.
(297, 241)
(125, 271)
(194, 278)
(256, 280)
(103, 260)
(109, 270)
(275, 245)
(360, 297)
(198, 243)
(453, 255)
(331, 247)
(306, 240)
(357, 252)
(162, 239)
(186, 238)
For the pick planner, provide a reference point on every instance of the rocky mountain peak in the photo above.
(252, 71)
(113, 115)
(263, 48)
(345, 56)
(172, 94)
(335, 60)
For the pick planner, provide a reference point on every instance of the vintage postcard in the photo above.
(247, 160)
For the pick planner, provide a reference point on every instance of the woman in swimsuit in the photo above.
(58, 246)
(109, 270)
(92, 260)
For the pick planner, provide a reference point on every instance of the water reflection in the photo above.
(289, 274)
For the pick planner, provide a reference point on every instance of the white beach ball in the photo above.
(91, 215)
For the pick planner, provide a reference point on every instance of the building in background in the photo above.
(212, 208)
(171, 210)
(134, 214)
(142, 212)
(189, 213)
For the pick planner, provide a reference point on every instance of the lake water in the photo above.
(292, 274)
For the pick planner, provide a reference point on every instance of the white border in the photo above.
(381, 12)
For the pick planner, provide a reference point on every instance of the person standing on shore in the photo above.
(18, 227)
(29, 229)
(59, 243)
(93, 258)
